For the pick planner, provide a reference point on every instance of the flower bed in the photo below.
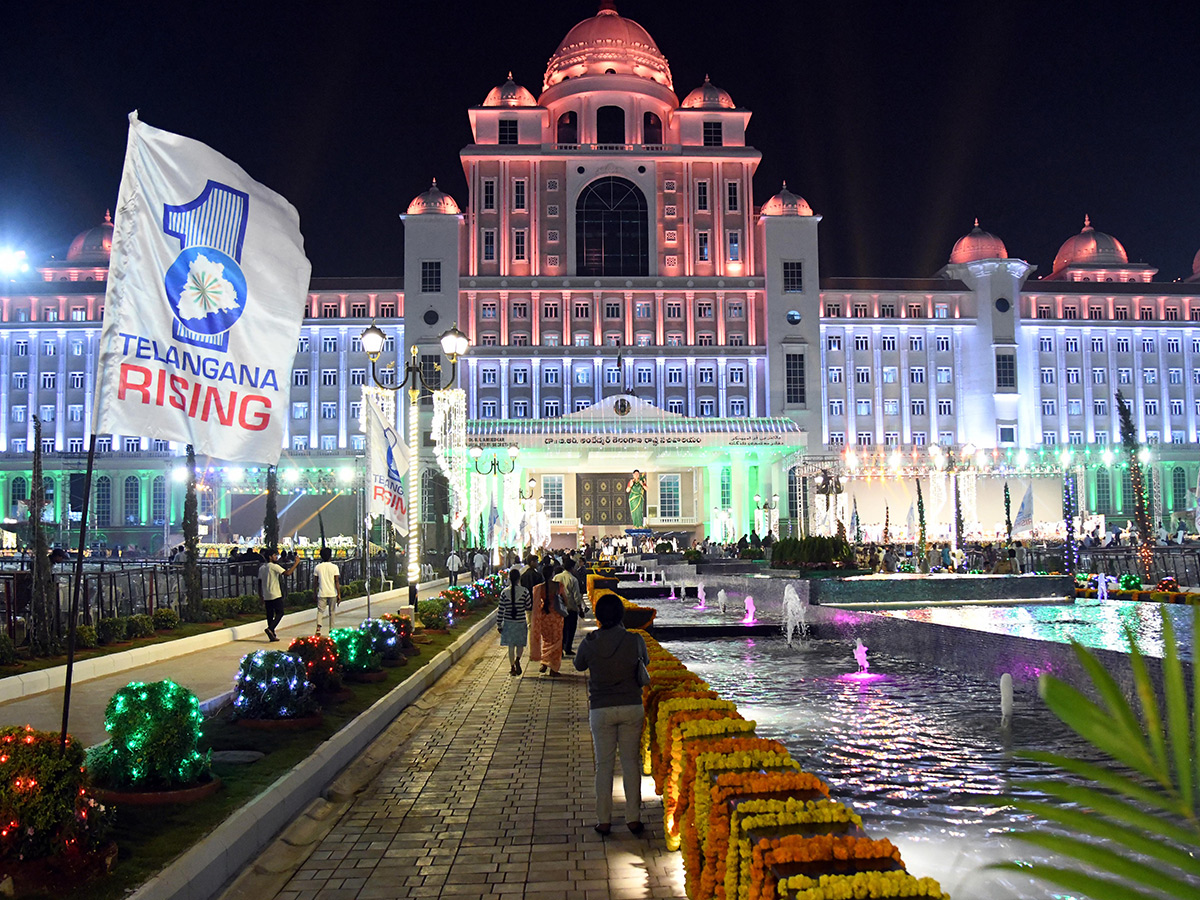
(753, 825)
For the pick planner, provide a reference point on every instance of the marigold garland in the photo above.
(797, 848)
(669, 720)
(865, 885)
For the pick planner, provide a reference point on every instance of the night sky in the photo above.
(899, 123)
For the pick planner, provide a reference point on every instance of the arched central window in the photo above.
(612, 229)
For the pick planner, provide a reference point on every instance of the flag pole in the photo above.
(73, 610)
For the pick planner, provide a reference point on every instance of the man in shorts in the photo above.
(271, 591)
(327, 587)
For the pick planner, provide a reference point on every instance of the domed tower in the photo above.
(1093, 255)
(87, 256)
(432, 236)
(980, 260)
(788, 259)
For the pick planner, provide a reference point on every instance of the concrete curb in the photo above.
(202, 871)
(14, 687)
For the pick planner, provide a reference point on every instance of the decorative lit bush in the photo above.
(44, 807)
(165, 619)
(1130, 582)
(272, 684)
(458, 602)
(141, 626)
(383, 637)
(402, 624)
(154, 730)
(319, 655)
(112, 630)
(435, 613)
(1168, 585)
(8, 653)
(354, 650)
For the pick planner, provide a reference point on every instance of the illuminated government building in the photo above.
(630, 305)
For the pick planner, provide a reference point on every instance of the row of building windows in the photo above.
(1074, 375)
(891, 407)
(888, 342)
(609, 129)
(613, 339)
(862, 310)
(552, 407)
(552, 374)
(612, 309)
(519, 194)
(1120, 344)
(103, 445)
(1119, 313)
(890, 374)
(520, 246)
(102, 498)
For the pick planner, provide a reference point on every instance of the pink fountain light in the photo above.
(864, 672)
(749, 619)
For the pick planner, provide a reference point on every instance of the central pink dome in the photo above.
(605, 44)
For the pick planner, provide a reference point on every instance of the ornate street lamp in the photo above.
(495, 466)
(454, 344)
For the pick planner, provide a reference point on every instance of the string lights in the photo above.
(272, 684)
(154, 732)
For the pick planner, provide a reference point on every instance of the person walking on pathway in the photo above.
(271, 591)
(327, 588)
(453, 564)
(531, 579)
(480, 563)
(549, 631)
(611, 657)
(512, 620)
(573, 600)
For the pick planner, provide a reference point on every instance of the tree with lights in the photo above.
(1007, 513)
(271, 517)
(920, 522)
(191, 540)
(44, 636)
(1141, 516)
(887, 520)
(958, 518)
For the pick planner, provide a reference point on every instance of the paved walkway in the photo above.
(487, 793)
(207, 673)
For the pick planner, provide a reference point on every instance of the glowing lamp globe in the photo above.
(454, 343)
(373, 340)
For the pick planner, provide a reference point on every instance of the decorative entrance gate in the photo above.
(601, 499)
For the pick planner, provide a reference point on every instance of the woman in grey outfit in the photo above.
(610, 655)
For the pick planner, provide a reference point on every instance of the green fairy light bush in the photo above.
(383, 637)
(319, 655)
(1130, 582)
(45, 809)
(154, 730)
(272, 684)
(141, 626)
(354, 650)
(165, 619)
(112, 630)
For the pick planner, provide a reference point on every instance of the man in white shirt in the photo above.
(271, 591)
(453, 564)
(327, 587)
(480, 563)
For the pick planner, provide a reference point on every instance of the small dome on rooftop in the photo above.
(978, 244)
(785, 203)
(433, 201)
(708, 96)
(509, 94)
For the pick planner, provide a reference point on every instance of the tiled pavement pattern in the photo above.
(491, 796)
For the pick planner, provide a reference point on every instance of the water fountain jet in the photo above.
(700, 596)
(749, 617)
(722, 601)
(795, 611)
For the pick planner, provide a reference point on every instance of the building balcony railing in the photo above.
(616, 148)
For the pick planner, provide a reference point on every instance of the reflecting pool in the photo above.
(921, 754)
(1094, 624)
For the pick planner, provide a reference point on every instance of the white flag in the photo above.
(1024, 519)
(387, 470)
(911, 521)
(206, 293)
